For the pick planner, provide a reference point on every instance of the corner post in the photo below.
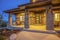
(49, 18)
(26, 19)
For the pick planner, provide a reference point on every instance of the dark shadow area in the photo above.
(36, 31)
(58, 33)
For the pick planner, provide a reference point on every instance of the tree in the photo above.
(2, 23)
(0, 19)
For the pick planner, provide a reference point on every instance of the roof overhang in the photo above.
(34, 5)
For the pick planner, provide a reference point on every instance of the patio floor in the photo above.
(37, 27)
(36, 36)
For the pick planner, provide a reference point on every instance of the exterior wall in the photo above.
(21, 22)
(31, 18)
(34, 18)
(37, 18)
(43, 18)
(20, 18)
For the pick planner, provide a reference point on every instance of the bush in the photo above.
(3, 24)
(2, 37)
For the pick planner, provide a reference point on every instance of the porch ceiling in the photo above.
(37, 9)
(33, 10)
(41, 9)
(28, 6)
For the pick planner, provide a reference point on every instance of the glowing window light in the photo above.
(21, 18)
(57, 17)
(34, 0)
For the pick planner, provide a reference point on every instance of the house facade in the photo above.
(37, 13)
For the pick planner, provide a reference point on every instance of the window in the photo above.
(57, 17)
(21, 18)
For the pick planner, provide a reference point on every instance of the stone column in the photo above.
(10, 19)
(26, 19)
(49, 18)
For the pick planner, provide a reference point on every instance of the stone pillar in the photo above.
(26, 19)
(49, 18)
(10, 19)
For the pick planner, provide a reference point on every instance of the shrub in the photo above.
(3, 24)
(2, 37)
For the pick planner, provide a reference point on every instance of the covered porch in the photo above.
(36, 16)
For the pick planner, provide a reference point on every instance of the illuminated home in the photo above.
(37, 15)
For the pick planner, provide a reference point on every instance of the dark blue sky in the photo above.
(10, 4)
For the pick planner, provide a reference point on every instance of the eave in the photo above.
(32, 5)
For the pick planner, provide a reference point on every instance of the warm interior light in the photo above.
(34, 0)
(37, 27)
(21, 18)
(57, 17)
(57, 20)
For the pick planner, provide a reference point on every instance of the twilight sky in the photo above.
(9, 4)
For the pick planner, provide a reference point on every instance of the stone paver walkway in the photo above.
(24, 35)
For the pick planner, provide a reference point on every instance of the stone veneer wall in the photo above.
(18, 22)
(32, 18)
